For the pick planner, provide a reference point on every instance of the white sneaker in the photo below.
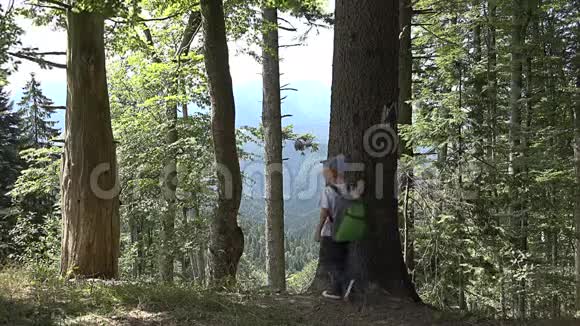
(329, 295)
(348, 290)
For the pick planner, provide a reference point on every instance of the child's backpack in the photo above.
(351, 223)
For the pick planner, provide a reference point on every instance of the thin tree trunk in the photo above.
(460, 214)
(406, 118)
(553, 238)
(577, 172)
(478, 84)
(364, 94)
(492, 78)
(90, 202)
(491, 118)
(226, 237)
(167, 250)
(518, 29)
(272, 122)
(135, 241)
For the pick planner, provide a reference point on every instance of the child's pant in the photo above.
(334, 256)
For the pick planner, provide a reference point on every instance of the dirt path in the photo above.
(314, 310)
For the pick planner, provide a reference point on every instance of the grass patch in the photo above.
(29, 298)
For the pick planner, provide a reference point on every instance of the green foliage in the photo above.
(10, 36)
(10, 165)
(301, 142)
(9, 146)
(35, 232)
(299, 282)
(467, 239)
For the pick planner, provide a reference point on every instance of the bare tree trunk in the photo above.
(406, 118)
(272, 122)
(365, 94)
(491, 91)
(517, 58)
(167, 250)
(577, 171)
(167, 245)
(90, 202)
(491, 116)
(226, 238)
(553, 239)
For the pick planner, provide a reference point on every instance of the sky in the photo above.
(307, 68)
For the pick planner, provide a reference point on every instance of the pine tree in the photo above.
(35, 109)
(9, 166)
(9, 162)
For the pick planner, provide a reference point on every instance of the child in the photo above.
(334, 254)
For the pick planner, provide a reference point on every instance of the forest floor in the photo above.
(27, 300)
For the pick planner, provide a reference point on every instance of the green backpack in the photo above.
(351, 222)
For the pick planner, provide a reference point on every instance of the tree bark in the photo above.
(365, 94)
(492, 78)
(272, 124)
(226, 238)
(90, 202)
(406, 118)
(577, 172)
(167, 234)
(518, 29)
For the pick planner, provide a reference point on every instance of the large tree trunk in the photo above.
(272, 122)
(90, 202)
(364, 95)
(406, 118)
(226, 238)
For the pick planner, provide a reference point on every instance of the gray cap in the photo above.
(337, 163)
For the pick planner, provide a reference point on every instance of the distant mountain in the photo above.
(310, 110)
(303, 184)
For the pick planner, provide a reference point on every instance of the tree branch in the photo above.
(54, 107)
(437, 36)
(41, 62)
(289, 29)
(290, 45)
(51, 53)
(10, 7)
(62, 5)
(144, 20)
(423, 11)
(49, 7)
(287, 22)
(160, 18)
